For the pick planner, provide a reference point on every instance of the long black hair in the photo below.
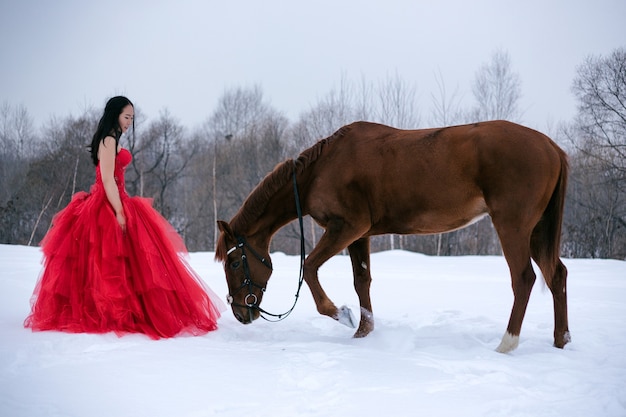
(109, 125)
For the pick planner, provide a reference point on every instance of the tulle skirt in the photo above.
(98, 279)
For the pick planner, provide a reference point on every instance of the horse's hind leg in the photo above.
(517, 253)
(559, 295)
(558, 287)
(557, 284)
(360, 257)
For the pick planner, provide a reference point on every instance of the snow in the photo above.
(438, 323)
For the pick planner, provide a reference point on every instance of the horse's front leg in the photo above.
(335, 239)
(360, 257)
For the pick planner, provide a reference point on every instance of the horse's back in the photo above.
(466, 153)
(475, 149)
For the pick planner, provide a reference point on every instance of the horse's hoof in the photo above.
(509, 343)
(565, 339)
(345, 317)
(366, 326)
(362, 332)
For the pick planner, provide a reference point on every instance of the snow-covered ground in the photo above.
(438, 321)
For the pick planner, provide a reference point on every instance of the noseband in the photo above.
(251, 301)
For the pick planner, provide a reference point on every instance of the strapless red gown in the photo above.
(97, 279)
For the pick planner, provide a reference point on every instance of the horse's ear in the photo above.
(225, 228)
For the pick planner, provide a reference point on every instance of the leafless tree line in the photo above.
(196, 177)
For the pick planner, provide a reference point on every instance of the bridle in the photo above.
(251, 301)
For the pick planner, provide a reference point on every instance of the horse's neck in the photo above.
(280, 210)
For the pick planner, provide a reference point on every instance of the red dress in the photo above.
(98, 279)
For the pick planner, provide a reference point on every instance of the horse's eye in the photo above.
(235, 265)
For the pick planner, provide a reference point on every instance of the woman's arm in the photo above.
(106, 153)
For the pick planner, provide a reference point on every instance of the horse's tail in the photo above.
(546, 236)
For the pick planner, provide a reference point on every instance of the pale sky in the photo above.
(60, 57)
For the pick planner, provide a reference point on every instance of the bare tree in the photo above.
(397, 103)
(56, 169)
(332, 111)
(16, 136)
(596, 218)
(600, 87)
(497, 90)
(238, 110)
(447, 109)
(244, 140)
(162, 157)
(17, 144)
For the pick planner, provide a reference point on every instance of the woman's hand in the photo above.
(121, 219)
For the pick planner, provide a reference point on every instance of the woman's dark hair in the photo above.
(109, 125)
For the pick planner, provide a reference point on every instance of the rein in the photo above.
(251, 301)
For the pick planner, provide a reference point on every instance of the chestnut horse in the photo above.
(369, 179)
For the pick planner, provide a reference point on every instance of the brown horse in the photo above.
(369, 179)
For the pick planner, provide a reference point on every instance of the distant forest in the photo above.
(198, 176)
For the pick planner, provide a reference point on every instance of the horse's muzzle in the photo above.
(245, 315)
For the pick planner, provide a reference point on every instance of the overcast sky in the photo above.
(60, 57)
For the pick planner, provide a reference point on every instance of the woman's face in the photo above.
(126, 117)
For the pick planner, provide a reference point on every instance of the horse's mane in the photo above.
(258, 199)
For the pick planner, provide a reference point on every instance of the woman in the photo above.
(111, 262)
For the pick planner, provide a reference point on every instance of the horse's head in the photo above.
(247, 271)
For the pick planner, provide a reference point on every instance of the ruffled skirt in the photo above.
(98, 279)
